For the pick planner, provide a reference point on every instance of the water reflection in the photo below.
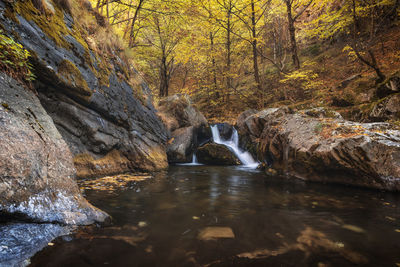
(224, 216)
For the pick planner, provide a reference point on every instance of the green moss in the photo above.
(14, 59)
(52, 25)
(5, 105)
(318, 128)
(74, 77)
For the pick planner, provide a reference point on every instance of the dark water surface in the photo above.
(260, 221)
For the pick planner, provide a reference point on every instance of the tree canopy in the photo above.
(252, 52)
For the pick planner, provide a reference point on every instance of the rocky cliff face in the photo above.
(321, 146)
(37, 175)
(109, 126)
(84, 116)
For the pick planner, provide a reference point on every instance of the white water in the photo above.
(194, 159)
(233, 144)
(193, 163)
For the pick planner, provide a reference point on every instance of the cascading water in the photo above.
(193, 163)
(233, 144)
(194, 159)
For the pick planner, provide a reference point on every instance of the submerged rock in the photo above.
(19, 242)
(187, 126)
(216, 154)
(212, 233)
(37, 175)
(327, 149)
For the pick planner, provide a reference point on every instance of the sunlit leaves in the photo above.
(14, 59)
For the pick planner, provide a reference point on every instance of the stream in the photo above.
(232, 216)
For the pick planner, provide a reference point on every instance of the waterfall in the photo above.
(194, 159)
(193, 163)
(233, 144)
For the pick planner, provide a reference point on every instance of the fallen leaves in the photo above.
(111, 183)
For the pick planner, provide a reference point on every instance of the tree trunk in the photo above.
(132, 32)
(255, 53)
(214, 66)
(163, 77)
(292, 34)
(228, 55)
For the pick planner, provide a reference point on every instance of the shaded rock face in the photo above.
(37, 175)
(326, 149)
(183, 144)
(216, 154)
(21, 241)
(225, 130)
(188, 128)
(96, 111)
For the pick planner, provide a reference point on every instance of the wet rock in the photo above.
(225, 130)
(216, 154)
(37, 176)
(19, 242)
(326, 149)
(187, 126)
(212, 233)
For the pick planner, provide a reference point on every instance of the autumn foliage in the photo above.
(235, 54)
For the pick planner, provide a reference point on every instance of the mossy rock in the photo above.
(73, 77)
(216, 154)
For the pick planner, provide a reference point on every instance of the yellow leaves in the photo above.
(111, 183)
(305, 77)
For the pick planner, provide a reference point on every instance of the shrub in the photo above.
(14, 59)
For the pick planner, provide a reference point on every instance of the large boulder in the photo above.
(216, 154)
(327, 149)
(187, 126)
(108, 122)
(182, 144)
(37, 175)
(180, 109)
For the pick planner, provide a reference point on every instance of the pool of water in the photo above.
(229, 216)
